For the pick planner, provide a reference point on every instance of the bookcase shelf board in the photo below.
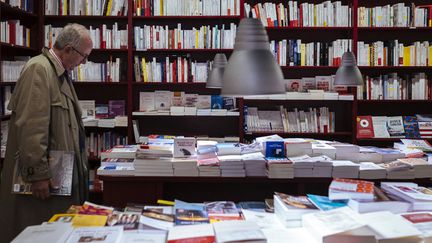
(183, 18)
(184, 50)
(103, 83)
(19, 50)
(53, 18)
(7, 11)
(300, 134)
(4, 117)
(7, 83)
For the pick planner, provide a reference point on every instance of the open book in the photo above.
(61, 166)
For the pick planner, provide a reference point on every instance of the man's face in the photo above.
(76, 55)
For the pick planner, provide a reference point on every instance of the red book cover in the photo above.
(12, 31)
(365, 127)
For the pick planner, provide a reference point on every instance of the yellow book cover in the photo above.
(108, 12)
(430, 56)
(80, 220)
(196, 39)
(144, 70)
(406, 56)
(302, 54)
(161, 12)
(28, 36)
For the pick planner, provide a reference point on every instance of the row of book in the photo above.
(98, 72)
(83, 7)
(170, 70)
(102, 37)
(11, 70)
(393, 53)
(294, 52)
(111, 109)
(202, 37)
(313, 120)
(393, 87)
(325, 14)
(25, 5)
(186, 8)
(164, 100)
(182, 222)
(102, 141)
(396, 15)
(14, 33)
(417, 126)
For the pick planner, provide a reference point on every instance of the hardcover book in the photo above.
(365, 127)
(61, 167)
(184, 147)
(116, 108)
(411, 127)
(102, 111)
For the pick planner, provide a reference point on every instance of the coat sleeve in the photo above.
(32, 118)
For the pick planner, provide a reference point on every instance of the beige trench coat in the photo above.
(45, 116)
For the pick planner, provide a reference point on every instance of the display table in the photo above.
(120, 190)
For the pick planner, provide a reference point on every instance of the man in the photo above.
(45, 117)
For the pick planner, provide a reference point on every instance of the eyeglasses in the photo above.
(84, 56)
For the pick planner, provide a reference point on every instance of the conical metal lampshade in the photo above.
(348, 73)
(252, 68)
(214, 80)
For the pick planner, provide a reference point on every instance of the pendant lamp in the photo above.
(214, 80)
(348, 74)
(252, 68)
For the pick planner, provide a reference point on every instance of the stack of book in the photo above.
(231, 166)
(289, 209)
(208, 165)
(154, 161)
(185, 166)
(370, 170)
(279, 168)
(255, 164)
(345, 169)
(118, 161)
(303, 166)
(323, 167)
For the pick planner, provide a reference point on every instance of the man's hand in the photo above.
(41, 189)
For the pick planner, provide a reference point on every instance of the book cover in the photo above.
(190, 213)
(191, 100)
(184, 147)
(274, 149)
(395, 126)
(61, 167)
(129, 221)
(293, 85)
(80, 220)
(203, 102)
(88, 108)
(216, 102)
(116, 108)
(162, 100)
(365, 127)
(324, 203)
(102, 111)
(301, 202)
(178, 98)
(96, 234)
(411, 127)
(146, 101)
(228, 103)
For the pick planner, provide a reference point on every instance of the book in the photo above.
(190, 213)
(411, 127)
(61, 168)
(365, 127)
(202, 233)
(395, 126)
(96, 234)
(80, 220)
(238, 231)
(102, 111)
(116, 108)
(184, 147)
(324, 203)
(341, 189)
(88, 108)
(129, 221)
(53, 233)
(222, 210)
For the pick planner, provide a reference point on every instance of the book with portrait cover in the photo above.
(61, 168)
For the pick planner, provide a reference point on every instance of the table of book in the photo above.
(120, 190)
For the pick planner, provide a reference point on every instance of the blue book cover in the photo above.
(216, 102)
(190, 213)
(274, 149)
(411, 127)
(324, 203)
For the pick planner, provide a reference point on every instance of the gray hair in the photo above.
(71, 34)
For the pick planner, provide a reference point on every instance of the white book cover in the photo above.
(162, 100)
(184, 147)
(380, 126)
(147, 101)
(88, 108)
(395, 126)
(238, 231)
(202, 233)
(96, 234)
(53, 233)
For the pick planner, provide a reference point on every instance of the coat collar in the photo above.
(57, 67)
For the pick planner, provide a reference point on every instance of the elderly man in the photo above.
(45, 117)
